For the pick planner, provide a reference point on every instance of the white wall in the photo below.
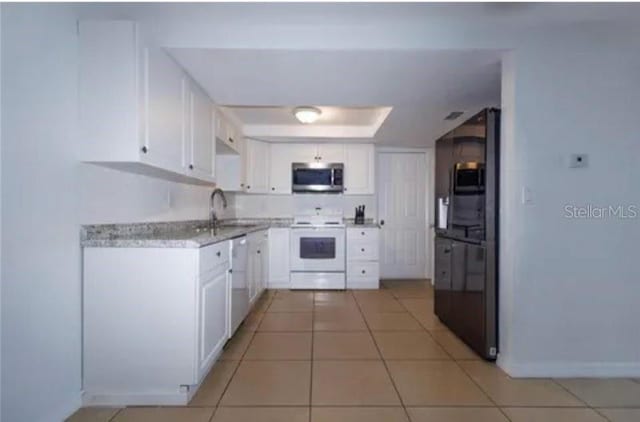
(40, 253)
(46, 195)
(271, 206)
(570, 288)
(112, 196)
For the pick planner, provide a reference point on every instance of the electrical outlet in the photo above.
(579, 161)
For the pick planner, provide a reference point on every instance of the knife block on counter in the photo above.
(359, 219)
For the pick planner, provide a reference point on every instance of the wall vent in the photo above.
(454, 115)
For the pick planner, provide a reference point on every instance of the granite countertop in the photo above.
(368, 224)
(177, 234)
(181, 234)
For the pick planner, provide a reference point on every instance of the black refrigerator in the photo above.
(466, 227)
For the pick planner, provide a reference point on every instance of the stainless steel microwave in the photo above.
(317, 177)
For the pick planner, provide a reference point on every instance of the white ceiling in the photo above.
(279, 123)
(422, 86)
(423, 59)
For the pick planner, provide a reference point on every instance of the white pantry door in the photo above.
(402, 184)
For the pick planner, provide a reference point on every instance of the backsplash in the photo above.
(286, 206)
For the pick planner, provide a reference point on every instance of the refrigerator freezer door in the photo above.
(442, 279)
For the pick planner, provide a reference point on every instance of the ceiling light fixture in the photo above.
(307, 114)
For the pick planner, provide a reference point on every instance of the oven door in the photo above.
(317, 250)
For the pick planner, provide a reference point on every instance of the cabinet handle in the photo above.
(364, 272)
(362, 249)
(231, 140)
(241, 185)
(447, 250)
(363, 233)
(248, 187)
(258, 252)
(218, 253)
(230, 270)
(273, 188)
(190, 166)
(145, 150)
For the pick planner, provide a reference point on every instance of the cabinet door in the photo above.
(280, 168)
(257, 166)
(264, 263)
(213, 323)
(202, 143)
(331, 153)
(253, 272)
(279, 266)
(442, 280)
(359, 176)
(164, 105)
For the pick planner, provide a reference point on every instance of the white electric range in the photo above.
(318, 252)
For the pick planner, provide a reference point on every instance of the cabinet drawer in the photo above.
(364, 269)
(213, 256)
(363, 250)
(355, 234)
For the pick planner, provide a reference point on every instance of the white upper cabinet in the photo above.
(164, 103)
(200, 151)
(358, 159)
(226, 132)
(256, 169)
(330, 153)
(359, 169)
(282, 156)
(135, 113)
(280, 169)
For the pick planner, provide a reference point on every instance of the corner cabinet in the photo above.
(154, 322)
(139, 110)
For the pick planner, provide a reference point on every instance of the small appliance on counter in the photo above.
(359, 219)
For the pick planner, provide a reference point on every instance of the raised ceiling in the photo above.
(421, 86)
(279, 123)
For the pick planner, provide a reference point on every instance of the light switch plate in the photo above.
(578, 161)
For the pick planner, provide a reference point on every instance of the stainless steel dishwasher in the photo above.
(239, 290)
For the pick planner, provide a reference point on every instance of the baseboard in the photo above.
(571, 369)
(136, 399)
(63, 412)
(279, 284)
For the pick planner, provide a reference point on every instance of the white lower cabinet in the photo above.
(212, 333)
(363, 266)
(279, 263)
(154, 322)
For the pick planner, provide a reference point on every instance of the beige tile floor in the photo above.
(372, 356)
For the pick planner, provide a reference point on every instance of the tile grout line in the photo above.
(235, 370)
(393, 383)
(456, 363)
(595, 410)
(313, 313)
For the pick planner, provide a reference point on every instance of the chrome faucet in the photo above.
(213, 218)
